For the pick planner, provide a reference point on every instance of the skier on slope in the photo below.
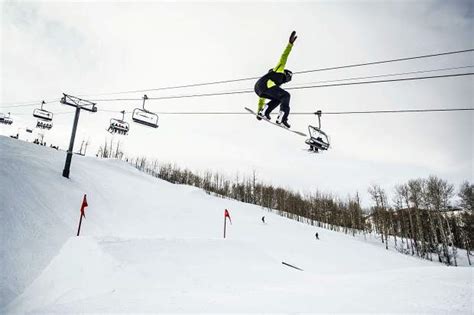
(268, 87)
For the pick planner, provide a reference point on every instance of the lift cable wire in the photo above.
(296, 72)
(331, 113)
(427, 110)
(390, 74)
(289, 88)
(377, 76)
(387, 61)
(29, 104)
(395, 111)
(255, 78)
(58, 113)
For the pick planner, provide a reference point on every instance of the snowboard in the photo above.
(275, 124)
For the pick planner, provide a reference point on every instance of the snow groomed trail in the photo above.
(150, 246)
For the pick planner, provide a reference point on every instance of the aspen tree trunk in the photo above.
(451, 241)
(420, 232)
(444, 239)
(404, 192)
(393, 225)
(412, 235)
(434, 235)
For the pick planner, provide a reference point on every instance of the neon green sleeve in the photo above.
(284, 57)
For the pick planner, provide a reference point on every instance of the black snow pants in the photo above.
(277, 96)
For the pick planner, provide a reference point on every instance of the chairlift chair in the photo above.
(43, 113)
(318, 139)
(145, 117)
(43, 124)
(45, 118)
(4, 119)
(119, 126)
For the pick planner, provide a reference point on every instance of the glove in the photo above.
(293, 37)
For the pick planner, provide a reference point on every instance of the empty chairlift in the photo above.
(119, 126)
(318, 139)
(145, 117)
(45, 118)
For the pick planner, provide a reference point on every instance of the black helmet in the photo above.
(288, 75)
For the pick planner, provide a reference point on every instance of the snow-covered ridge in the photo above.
(150, 246)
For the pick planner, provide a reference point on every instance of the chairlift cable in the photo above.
(377, 76)
(396, 111)
(295, 72)
(426, 110)
(59, 113)
(387, 61)
(289, 88)
(30, 104)
(390, 74)
(331, 113)
(385, 81)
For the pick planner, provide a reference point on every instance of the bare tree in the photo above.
(466, 202)
(438, 194)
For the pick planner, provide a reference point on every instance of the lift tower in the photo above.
(78, 104)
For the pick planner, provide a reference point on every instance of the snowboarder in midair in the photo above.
(268, 87)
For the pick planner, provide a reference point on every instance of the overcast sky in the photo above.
(87, 48)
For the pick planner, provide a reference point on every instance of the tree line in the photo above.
(423, 218)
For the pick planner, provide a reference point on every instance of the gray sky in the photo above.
(96, 47)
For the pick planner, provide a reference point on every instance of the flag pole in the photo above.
(83, 206)
(225, 221)
(79, 228)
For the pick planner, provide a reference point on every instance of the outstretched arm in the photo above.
(284, 57)
(280, 67)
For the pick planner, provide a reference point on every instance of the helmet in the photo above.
(288, 75)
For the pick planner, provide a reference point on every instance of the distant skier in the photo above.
(268, 87)
(263, 219)
(317, 236)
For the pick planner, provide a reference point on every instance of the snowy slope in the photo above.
(150, 246)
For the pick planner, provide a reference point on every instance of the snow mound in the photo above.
(111, 268)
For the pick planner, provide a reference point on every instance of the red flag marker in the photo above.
(226, 215)
(83, 207)
(83, 214)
